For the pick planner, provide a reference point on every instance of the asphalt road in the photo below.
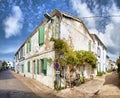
(11, 87)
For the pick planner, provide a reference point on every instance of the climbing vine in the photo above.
(73, 58)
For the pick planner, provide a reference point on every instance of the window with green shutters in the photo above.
(41, 35)
(89, 46)
(28, 66)
(44, 66)
(38, 67)
(29, 45)
(23, 68)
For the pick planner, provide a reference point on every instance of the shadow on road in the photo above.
(6, 74)
(17, 94)
(112, 79)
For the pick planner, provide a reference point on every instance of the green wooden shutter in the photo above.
(23, 68)
(45, 66)
(30, 45)
(89, 45)
(28, 66)
(41, 35)
(38, 67)
(27, 47)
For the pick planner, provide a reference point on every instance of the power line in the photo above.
(101, 16)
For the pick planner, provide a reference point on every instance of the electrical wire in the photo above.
(101, 16)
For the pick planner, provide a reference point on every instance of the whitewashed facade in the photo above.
(31, 59)
(100, 51)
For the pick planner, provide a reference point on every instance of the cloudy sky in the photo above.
(18, 18)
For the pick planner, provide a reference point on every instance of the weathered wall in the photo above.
(43, 51)
(102, 57)
(75, 34)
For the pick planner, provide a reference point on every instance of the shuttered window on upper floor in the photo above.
(41, 35)
(29, 44)
(27, 47)
(89, 45)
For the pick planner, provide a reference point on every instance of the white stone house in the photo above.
(100, 51)
(31, 59)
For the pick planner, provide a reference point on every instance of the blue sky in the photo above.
(18, 18)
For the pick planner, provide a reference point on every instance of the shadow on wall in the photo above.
(112, 79)
(6, 74)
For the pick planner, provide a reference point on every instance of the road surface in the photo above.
(11, 87)
(111, 87)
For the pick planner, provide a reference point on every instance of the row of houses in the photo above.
(31, 59)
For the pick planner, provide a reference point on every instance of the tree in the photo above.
(4, 63)
(118, 64)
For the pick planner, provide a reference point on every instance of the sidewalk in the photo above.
(88, 89)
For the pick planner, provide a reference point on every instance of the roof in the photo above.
(94, 35)
(52, 14)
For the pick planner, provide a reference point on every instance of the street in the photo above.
(10, 87)
(111, 87)
(13, 85)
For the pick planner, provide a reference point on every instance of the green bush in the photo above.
(82, 79)
(109, 70)
(99, 73)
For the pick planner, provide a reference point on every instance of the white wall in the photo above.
(102, 59)
(75, 34)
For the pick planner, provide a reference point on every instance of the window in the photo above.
(28, 66)
(29, 43)
(23, 68)
(28, 46)
(55, 28)
(38, 67)
(44, 66)
(41, 35)
(98, 52)
(89, 46)
(21, 52)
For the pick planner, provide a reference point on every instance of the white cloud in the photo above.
(83, 11)
(8, 50)
(111, 37)
(13, 23)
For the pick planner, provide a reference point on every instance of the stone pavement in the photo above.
(86, 90)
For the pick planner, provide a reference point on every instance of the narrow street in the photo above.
(111, 87)
(13, 85)
(10, 87)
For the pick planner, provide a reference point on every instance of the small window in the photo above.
(98, 52)
(89, 46)
(28, 66)
(44, 66)
(41, 35)
(38, 67)
(23, 68)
